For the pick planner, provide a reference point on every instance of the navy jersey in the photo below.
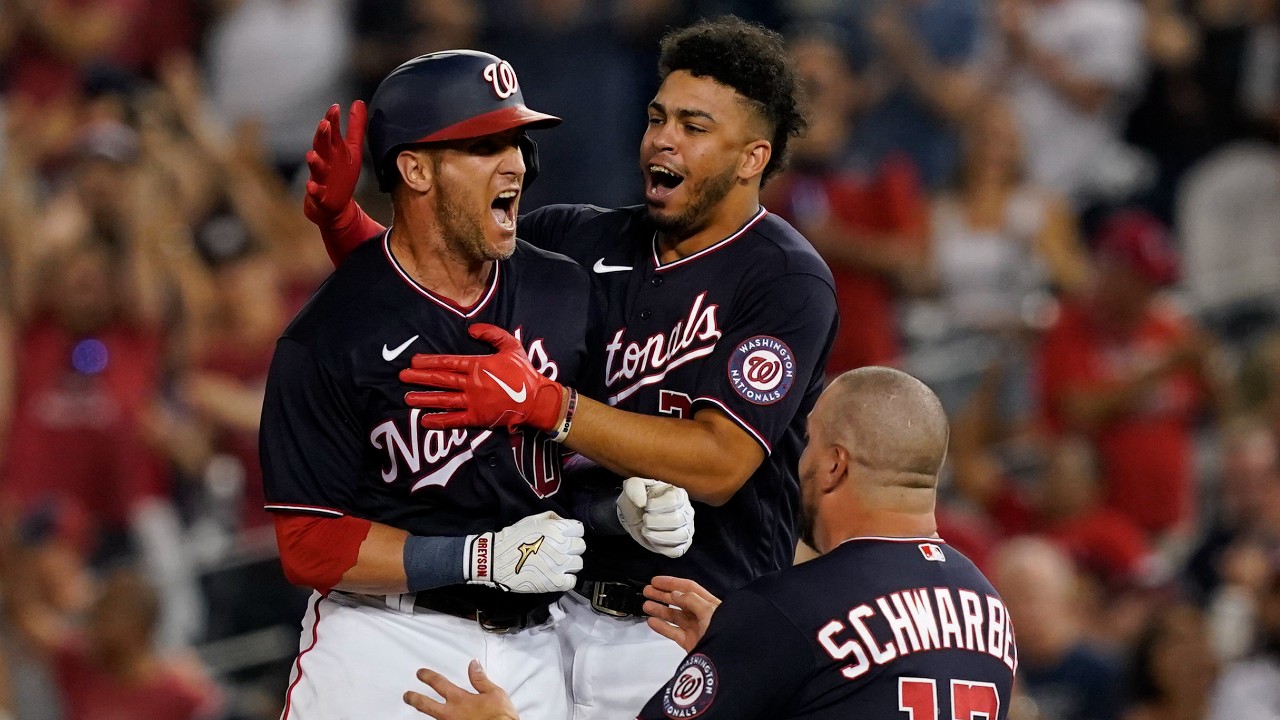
(337, 437)
(878, 628)
(744, 327)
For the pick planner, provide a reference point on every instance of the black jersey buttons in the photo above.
(645, 314)
(656, 281)
(493, 461)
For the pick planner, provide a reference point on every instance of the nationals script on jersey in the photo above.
(337, 437)
(742, 327)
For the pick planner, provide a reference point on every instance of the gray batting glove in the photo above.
(656, 515)
(536, 554)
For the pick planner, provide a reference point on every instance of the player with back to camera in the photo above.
(890, 622)
(436, 544)
(716, 320)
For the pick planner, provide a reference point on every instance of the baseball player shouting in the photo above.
(438, 544)
(889, 623)
(717, 319)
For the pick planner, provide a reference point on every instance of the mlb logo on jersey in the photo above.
(762, 369)
(932, 552)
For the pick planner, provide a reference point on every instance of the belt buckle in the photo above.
(599, 593)
(500, 626)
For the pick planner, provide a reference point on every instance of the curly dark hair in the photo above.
(753, 61)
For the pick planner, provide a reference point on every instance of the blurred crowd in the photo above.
(1064, 215)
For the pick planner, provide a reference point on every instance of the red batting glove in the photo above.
(334, 162)
(498, 390)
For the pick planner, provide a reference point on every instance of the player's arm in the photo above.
(748, 639)
(334, 162)
(718, 441)
(359, 556)
(709, 455)
(311, 460)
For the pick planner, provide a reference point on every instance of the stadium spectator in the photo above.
(1124, 368)
(1067, 679)
(869, 227)
(1250, 473)
(54, 41)
(917, 59)
(1194, 100)
(1249, 689)
(1173, 667)
(1072, 65)
(999, 245)
(1103, 542)
(389, 31)
(305, 44)
(109, 667)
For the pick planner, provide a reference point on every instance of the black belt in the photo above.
(619, 599)
(494, 620)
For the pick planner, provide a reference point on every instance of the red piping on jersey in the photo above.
(442, 301)
(315, 638)
(707, 250)
(303, 509)
(745, 425)
(895, 539)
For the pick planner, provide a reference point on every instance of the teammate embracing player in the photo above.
(889, 622)
(716, 321)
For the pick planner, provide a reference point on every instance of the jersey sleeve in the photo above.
(749, 639)
(553, 228)
(309, 450)
(772, 349)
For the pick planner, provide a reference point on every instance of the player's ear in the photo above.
(755, 156)
(835, 470)
(416, 169)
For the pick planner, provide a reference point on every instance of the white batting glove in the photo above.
(536, 554)
(656, 515)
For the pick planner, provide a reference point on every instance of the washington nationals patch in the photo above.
(762, 369)
(692, 690)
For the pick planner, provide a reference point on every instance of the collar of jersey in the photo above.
(707, 250)
(442, 301)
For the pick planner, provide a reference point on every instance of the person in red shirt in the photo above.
(96, 638)
(1126, 369)
(84, 372)
(870, 229)
(1104, 542)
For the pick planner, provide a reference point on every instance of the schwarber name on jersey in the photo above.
(337, 437)
(743, 327)
(876, 628)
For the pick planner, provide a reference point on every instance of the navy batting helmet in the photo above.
(449, 95)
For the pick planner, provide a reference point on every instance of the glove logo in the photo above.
(692, 690)
(503, 78)
(516, 396)
(527, 551)
(762, 369)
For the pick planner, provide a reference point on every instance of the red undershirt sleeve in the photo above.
(317, 551)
